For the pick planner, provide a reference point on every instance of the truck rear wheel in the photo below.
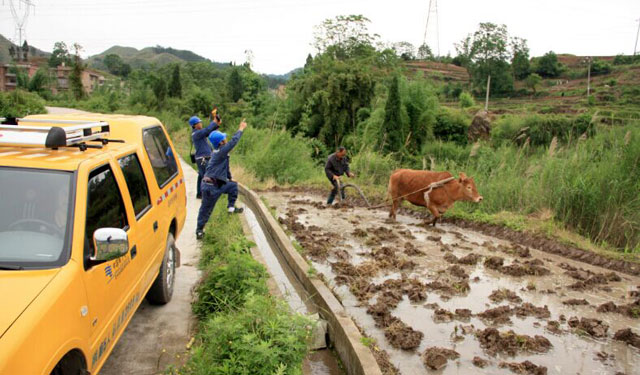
(162, 288)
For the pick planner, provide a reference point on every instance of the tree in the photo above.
(405, 50)
(60, 55)
(39, 82)
(548, 66)
(393, 127)
(532, 81)
(308, 62)
(235, 85)
(175, 85)
(486, 53)
(424, 52)
(159, 88)
(345, 36)
(520, 61)
(75, 77)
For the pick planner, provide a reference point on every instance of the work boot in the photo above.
(235, 210)
(199, 234)
(332, 196)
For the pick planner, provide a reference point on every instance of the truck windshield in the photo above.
(34, 216)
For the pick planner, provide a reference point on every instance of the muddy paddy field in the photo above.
(449, 300)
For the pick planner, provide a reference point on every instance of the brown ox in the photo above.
(412, 185)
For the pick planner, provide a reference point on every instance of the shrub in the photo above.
(373, 168)
(264, 338)
(599, 67)
(226, 283)
(19, 103)
(451, 126)
(547, 65)
(277, 155)
(466, 100)
(541, 129)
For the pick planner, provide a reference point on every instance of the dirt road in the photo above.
(455, 301)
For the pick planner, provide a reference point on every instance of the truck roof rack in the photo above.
(75, 135)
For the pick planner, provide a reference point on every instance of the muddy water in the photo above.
(573, 351)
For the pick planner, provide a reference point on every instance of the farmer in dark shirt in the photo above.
(217, 178)
(203, 148)
(336, 166)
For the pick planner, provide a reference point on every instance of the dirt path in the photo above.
(455, 301)
(157, 335)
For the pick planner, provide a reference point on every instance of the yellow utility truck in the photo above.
(90, 208)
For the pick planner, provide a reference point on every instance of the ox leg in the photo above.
(435, 213)
(394, 207)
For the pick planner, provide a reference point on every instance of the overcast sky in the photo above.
(280, 32)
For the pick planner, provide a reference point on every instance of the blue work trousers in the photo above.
(202, 167)
(210, 195)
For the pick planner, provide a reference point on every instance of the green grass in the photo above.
(243, 329)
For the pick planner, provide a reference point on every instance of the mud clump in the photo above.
(458, 272)
(530, 268)
(362, 289)
(524, 368)
(384, 234)
(402, 336)
(435, 358)
(494, 263)
(628, 336)
(498, 315)
(406, 234)
(411, 250)
(500, 295)
(443, 316)
(528, 309)
(383, 360)
(515, 249)
(553, 326)
(576, 302)
(593, 327)
(359, 233)
(450, 287)
(632, 310)
(469, 259)
(479, 362)
(495, 342)
(463, 314)
(594, 280)
(434, 238)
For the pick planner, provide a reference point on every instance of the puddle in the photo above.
(547, 283)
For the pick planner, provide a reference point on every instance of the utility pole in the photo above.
(637, 34)
(486, 100)
(587, 60)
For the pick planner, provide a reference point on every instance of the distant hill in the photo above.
(275, 80)
(5, 57)
(157, 55)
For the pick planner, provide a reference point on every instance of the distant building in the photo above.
(9, 80)
(91, 79)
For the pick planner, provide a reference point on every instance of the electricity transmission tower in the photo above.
(20, 10)
(433, 8)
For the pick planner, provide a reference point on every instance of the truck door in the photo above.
(150, 238)
(108, 284)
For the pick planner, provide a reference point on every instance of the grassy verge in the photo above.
(243, 329)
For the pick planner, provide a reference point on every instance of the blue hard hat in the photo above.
(216, 137)
(194, 120)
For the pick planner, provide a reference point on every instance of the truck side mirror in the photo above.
(109, 244)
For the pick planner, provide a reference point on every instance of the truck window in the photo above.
(160, 154)
(133, 175)
(105, 208)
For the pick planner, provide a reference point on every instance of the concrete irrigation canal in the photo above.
(448, 300)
